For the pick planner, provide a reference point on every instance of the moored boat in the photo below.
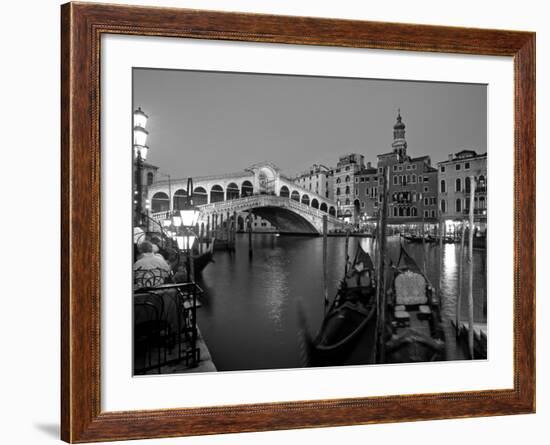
(347, 333)
(414, 327)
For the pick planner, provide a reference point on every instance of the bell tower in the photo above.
(399, 143)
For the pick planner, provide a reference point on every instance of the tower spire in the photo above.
(399, 143)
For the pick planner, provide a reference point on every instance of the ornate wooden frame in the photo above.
(81, 28)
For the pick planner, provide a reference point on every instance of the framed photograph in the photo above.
(274, 222)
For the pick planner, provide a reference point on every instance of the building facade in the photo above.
(366, 193)
(317, 179)
(344, 185)
(455, 186)
(412, 187)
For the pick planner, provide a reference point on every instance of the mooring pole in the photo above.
(347, 252)
(423, 237)
(228, 230)
(234, 231)
(325, 247)
(441, 236)
(208, 229)
(460, 276)
(380, 285)
(198, 231)
(250, 234)
(471, 270)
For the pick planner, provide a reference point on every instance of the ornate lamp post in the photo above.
(140, 155)
(189, 216)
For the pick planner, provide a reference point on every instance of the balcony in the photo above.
(477, 212)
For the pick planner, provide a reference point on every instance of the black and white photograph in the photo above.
(285, 221)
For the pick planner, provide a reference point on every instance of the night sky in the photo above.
(203, 123)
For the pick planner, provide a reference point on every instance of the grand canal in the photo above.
(249, 310)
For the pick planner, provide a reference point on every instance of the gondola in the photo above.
(347, 333)
(414, 331)
(418, 238)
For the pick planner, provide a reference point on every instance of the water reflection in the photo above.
(249, 316)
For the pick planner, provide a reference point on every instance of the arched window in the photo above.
(467, 184)
(284, 192)
(443, 206)
(347, 202)
(314, 203)
(232, 191)
(180, 199)
(482, 202)
(433, 213)
(295, 196)
(332, 211)
(413, 178)
(458, 185)
(458, 205)
(323, 207)
(305, 199)
(150, 178)
(338, 191)
(400, 211)
(395, 211)
(347, 190)
(347, 178)
(216, 193)
(247, 189)
(160, 202)
(200, 196)
(443, 186)
(414, 211)
(408, 211)
(338, 180)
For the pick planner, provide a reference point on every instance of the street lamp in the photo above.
(140, 149)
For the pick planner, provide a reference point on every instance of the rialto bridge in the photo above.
(260, 189)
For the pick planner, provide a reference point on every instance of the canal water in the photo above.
(249, 313)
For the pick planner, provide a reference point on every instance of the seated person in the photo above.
(158, 247)
(150, 267)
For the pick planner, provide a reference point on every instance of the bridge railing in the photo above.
(262, 201)
(242, 204)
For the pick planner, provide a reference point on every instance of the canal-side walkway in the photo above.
(206, 364)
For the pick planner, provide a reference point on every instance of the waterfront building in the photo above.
(258, 224)
(366, 193)
(412, 188)
(455, 186)
(344, 185)
(318, 178)
(148, 177)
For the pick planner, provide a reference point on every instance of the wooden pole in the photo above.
(423, 238)
(234, 227)
(380, 289)
(471, 270)
(208, 229)
(228, 230)
(250, 234)
(441, 236)
(460, 275)
(197, 231)
(347, 253)
(325, 247)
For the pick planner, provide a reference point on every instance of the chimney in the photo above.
(450, 156)
(368, 164)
